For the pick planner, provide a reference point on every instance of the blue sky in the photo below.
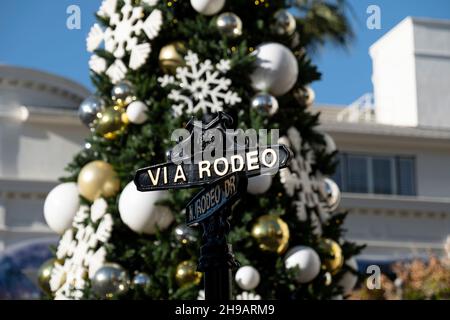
(33, 34)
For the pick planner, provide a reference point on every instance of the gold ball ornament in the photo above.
(271, 233)
(334, 259)
(171, 57)
(187, 274)
(112, 122)
(98, 179)
(44, 274)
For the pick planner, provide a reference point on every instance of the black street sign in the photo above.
(190, 175)
(212, 199)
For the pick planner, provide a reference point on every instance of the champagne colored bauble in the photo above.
(276, 69)
(89, 109)
(259, 184)
(229, 24)
(207, 7)
(265, 103)
(61, 205)
(332, 194)
(140, 211)
(98, 179)
(306, 262)
(187, 274)
(141, 280)
(171, 57)
(112, 122)
(185, 235)
(334, 259)
(110, 280)
(44, 275)
(137, 112)
(247, 278)
(284, 23)
(349, 279)
(271, 233)
(123, 92)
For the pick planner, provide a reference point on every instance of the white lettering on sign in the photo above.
(213, 198)
(251, 161)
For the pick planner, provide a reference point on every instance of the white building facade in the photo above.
(394, 146)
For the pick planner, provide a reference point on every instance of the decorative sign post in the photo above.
(224, 181)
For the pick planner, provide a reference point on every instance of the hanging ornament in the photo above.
(141, 280)
(349, 279)
(271, 233)
(247, 278)
(89, 109)
(171, 57)
(185, 235)
(44, 275)
(207, 7)
(98, 179)
(265, 103)
(229, 24)
(187, 274)
(332, 194)
(259, 184)
(305, 260)
(110, 280)
(284, 23)
(112, 122)
(334, 259)
(305, 96)
(60, 206)
(327, 278)
(276, 69)
(123, 92)
(137, 112)
(140, 211)
(200, 86)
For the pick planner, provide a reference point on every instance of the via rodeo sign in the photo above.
(223, 176)
(188, 172)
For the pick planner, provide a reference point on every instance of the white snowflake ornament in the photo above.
(122, 37)
(82, 250)
(303, 185)
(199, 86)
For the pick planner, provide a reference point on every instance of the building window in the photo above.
(357, 173)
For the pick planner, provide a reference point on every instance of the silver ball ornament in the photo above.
(265, 103)
(185, 234)
(110, 280)
(332, 194)
(123, 92)
(284, 23)
(141, 280)
(229, 24)
(89, 109)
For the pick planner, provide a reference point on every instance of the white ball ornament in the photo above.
(247, 278)
(61, 205)
(208, 7)
(276, 69)
(349, 279)
(137, 112)
(138, 210)
(306, 259)
(259, 184)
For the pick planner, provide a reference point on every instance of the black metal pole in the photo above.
(216, 258)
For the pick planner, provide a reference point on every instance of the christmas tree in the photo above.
(156, 64)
